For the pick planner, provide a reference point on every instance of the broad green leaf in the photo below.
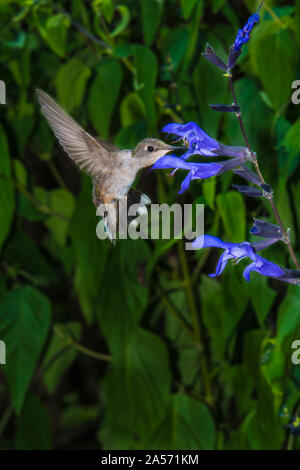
(132, 109)
(54, 31)
(291, 145)
(233, 213)
(22, 123)
(187, 7)
(104, 95)
(123, 293)
(221, 324)
(265, 431)
(217, 5)
(297, 21)
(289, 315)
(62, 204)
(261, 295)
(25, 255)
(256, 116)
(90, 252)
(59, 355)
(142, 374)
(209, 191)
(151, 16)
(188, 354)
(20, 172)
(274, 59)
(188, 425)
(146, 65)
(130, 136)
(252, 352)
(33, 426)
(74, 72)
(25, 316)
(174, 50)
(7, 198)
(210, 87)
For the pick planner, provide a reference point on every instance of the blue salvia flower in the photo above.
(201, 143)
(262, 228)
(239, 251)
(197, 170)
(243, 36)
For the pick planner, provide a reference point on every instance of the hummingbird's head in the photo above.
(148, 151)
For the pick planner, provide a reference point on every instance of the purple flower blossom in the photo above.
(239, 251)
(200, 143)
(197, 170)
(263, 228)
(243, 35)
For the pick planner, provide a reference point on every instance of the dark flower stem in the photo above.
(256, 165)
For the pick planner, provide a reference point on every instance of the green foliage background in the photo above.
(133, 346)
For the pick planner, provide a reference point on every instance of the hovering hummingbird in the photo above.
(113, 170)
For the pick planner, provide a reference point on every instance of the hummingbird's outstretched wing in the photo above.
(89, 153)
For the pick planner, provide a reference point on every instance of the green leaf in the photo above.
(142, 373)
(22, 253)
(151, 16)
(59, 355)
(22, 122)
(62, 203)
(233, 213)
(104, 95)
(74, 72)
(54, 31)
(25, 316)
(20, 172)
(33, 427)
(7, 199)
(146, 65)
(249, 99)
(265, 431)
(132, 109)
(124, 21)
(187, 7)
(124, 292)
(209, 191)
(210, 87)
(221, 325)
(291, 145)
(90, 252)
(262, 296)
(175, 46)
(274, 59)
(188, 425)
(297, 21)
(288, 317)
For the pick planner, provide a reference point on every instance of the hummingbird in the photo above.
(112, 170)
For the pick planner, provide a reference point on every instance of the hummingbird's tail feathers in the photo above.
(87, 152)
(110, 221)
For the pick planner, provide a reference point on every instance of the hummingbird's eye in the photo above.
(150, 148)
